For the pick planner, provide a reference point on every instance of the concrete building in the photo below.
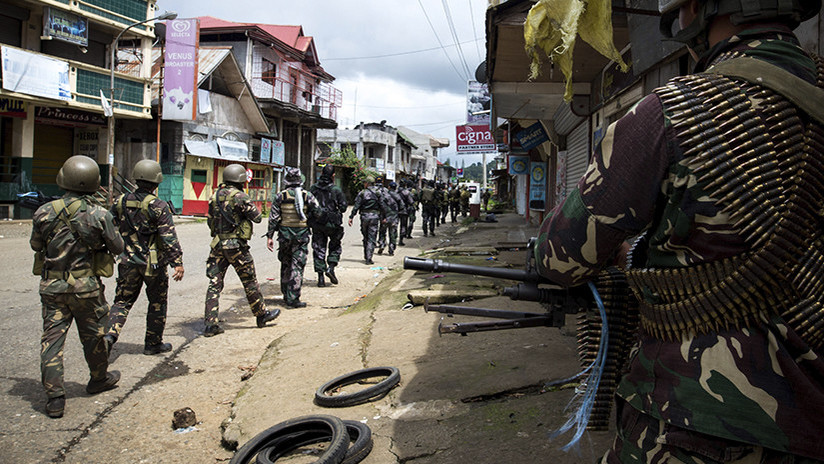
(424, 158)
(55, 65)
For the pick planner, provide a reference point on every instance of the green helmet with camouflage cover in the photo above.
(694, 35)
(234, 173)
(149, 171)
(79, 174)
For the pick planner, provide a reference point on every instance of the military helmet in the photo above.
(393, 184)
(79, 174)
(293, 177)
(369, 180)
(149, 171)
(234, 173)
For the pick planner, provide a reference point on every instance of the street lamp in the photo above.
(113, 63)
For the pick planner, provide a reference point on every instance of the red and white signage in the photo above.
(473, 139)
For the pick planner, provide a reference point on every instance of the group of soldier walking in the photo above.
(75, 242)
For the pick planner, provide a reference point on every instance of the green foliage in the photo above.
(346, 157)
(475, 173)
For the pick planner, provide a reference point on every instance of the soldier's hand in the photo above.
(350, 222)
(270, 244)
(178, 274)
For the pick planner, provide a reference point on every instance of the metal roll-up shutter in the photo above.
(577, 155)
(565, 120)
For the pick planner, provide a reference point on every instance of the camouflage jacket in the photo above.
(332, 203)
(227, 216)
(408, 201)
(760, 384)
(311, 209)
(138, 230)
(370, 203)
(65, 250)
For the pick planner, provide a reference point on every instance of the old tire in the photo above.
(286, 436)
(360, 436)
(377, 391)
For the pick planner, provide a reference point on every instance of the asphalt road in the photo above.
(28, 435)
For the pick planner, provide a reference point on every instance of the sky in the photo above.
(393, 60)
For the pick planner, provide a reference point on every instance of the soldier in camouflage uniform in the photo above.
(465, 196)
(413, 212)
(327, 230)
(454, 202)
(230, 218)
(148, 230)
(428, 207)
(405, 211)
(719, 170)
(65, 235)
(369, 203)
(389, 224)
(444, 202)
(292, 210)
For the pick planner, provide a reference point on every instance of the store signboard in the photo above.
(278, 152)
(474, 139)
(87, 142)
(65, 26)
(537, 186)
(532, 136)
(518, 165)
(478, 103)
(266, 150)
(13, 108)
(180, 61)
(35, 74)
(67, 117)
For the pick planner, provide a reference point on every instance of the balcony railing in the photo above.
(322, 99)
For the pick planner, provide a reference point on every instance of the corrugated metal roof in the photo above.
(407, 139)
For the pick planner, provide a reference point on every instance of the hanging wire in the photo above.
(455, 36)
(439, 41)
(585, 395)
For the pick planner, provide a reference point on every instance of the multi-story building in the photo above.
(424, 158)
(283, 68)
(55, 67)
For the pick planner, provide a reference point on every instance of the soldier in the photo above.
(465, 196)
(714, 170)
(405, 211)
(414, 211)
(148, 230)
(389, 222)
(230, 218)
(68, 236)
(485, 198)
(444, 203)
(292, 210)
(369, 203)
(327, 230)
(454, 202)
(438, 203)
(428, 208)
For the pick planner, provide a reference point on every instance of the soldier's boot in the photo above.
(266, 317)
(157, 348)
(212, 330)
(106, 383)
(400, 243)
(321, 280)
(296, 304)
(55, 406)
(331, 274)
(380, 250)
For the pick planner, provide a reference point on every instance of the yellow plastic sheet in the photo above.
(552, 26)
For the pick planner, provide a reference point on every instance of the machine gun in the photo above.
(559, 301)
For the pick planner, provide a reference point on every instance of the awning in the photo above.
(204, 149)
(233, 149)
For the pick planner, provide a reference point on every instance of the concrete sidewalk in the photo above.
(480, 398)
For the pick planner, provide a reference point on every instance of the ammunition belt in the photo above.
(765, 170)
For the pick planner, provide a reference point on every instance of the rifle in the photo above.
(34, 200)
(558, 301)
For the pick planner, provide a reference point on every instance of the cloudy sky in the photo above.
(392, 59)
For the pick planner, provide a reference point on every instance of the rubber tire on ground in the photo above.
(377, 391)
(286, 433)
(360, 436)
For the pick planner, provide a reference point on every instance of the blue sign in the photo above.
(537, 186)
(532, 136)
(518, 165)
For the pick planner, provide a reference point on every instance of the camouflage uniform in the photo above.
(485, 198)
(465, 196)
(369, 203)
(454, 203)
(151, 238)
(405, 212)
(428, 199)
(722, 389)
(413, 212)
(290, 222)
(68, 287)
(389, 224)
(327, 231)
(229, 209)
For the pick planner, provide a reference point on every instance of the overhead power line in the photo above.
(389, 55)
(475, 32)
(439, 41)
(454, 33)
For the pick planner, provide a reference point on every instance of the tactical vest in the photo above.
(766, 169)
(288, 211)
(427, 195)
(153, 260)
(369, 201)
(228, 224)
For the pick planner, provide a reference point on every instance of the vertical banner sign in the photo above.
(278, 152)
(537, 186)
(478, 103)
(180, 81)
(474, 139)
(266, 150)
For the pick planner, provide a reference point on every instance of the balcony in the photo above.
(290, 86)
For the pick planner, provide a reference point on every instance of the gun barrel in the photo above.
(436, 265)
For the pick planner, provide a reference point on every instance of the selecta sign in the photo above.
(474, 139)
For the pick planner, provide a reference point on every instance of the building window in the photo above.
(269, 72)
(199, 175)
(258, 176)
(390, 155)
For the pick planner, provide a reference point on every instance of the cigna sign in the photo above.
(473, 139)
